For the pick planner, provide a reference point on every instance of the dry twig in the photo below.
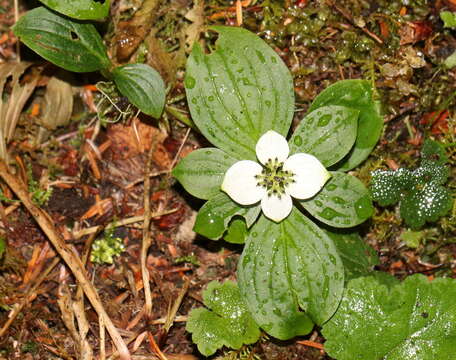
(68, 255)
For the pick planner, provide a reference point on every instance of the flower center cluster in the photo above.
(273, 178)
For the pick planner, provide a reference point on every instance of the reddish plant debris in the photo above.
(438, 120)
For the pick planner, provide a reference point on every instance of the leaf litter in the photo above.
(101, 167)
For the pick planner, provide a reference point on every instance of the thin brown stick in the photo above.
(348, 16)
(147, 240)
(311, 344)
(70, 258)
(173, 311)
(16, 18)
(127, 221)
(155, 347)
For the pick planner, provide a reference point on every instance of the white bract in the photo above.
(276, 178)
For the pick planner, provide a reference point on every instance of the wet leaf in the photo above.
(57, 104)
(355, 94)
(226, 322)
(288, 274)
(328, 133)
(413, 320)
(239, 91)
(237, 231)
(358, 257)
(70, 44)
(426, 203)
(420, 193)
(80, 9)
(202, 171)
(215, 215)
(143, 86)
(343, 202)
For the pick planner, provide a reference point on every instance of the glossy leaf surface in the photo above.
(343, 202)
(226, 322)
(328, 133)
(202, 171)
(414, 320)
(239, 91)
(288, 274)
(143, 86)
(215, 215)
(80, 9)
(420, 192)
(70, 44)
(358, 257)
(355, 94)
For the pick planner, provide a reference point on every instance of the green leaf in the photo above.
(237, 232)
(413, 239)
(448, 18)
(215, 215)
(239, 91)
(201, 172)
(358, 257)
(433, 151)
(143, 86)
(70, 44)
(428, 203)
(228, 324)
(386, 186)
(420, 192)
(288, 274)
(355, 94)
(328, 133)
(414, 320)
(80, 9)
(343, 202)
(450, 61)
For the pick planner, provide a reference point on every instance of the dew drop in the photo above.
(338, 200)
(324, 120)
(318, 203)
(260, 56)
(194, 101)
(329, 214)
(211, 98)
(297, 140)
(331, 187)
(213, 225)
(189, 82)
(363, 207)
(254, 234)
(268, 103)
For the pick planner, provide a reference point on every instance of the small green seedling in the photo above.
(105, 249)
(225, 322)
(420, 193)
(76, 46)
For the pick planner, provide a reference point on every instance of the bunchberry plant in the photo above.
(241, 98)
(76, 46)
(420, 192)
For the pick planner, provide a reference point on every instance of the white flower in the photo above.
(276, 178)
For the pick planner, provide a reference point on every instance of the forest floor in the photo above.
(89, 174)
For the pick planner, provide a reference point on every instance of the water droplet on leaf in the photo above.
(189, 82)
